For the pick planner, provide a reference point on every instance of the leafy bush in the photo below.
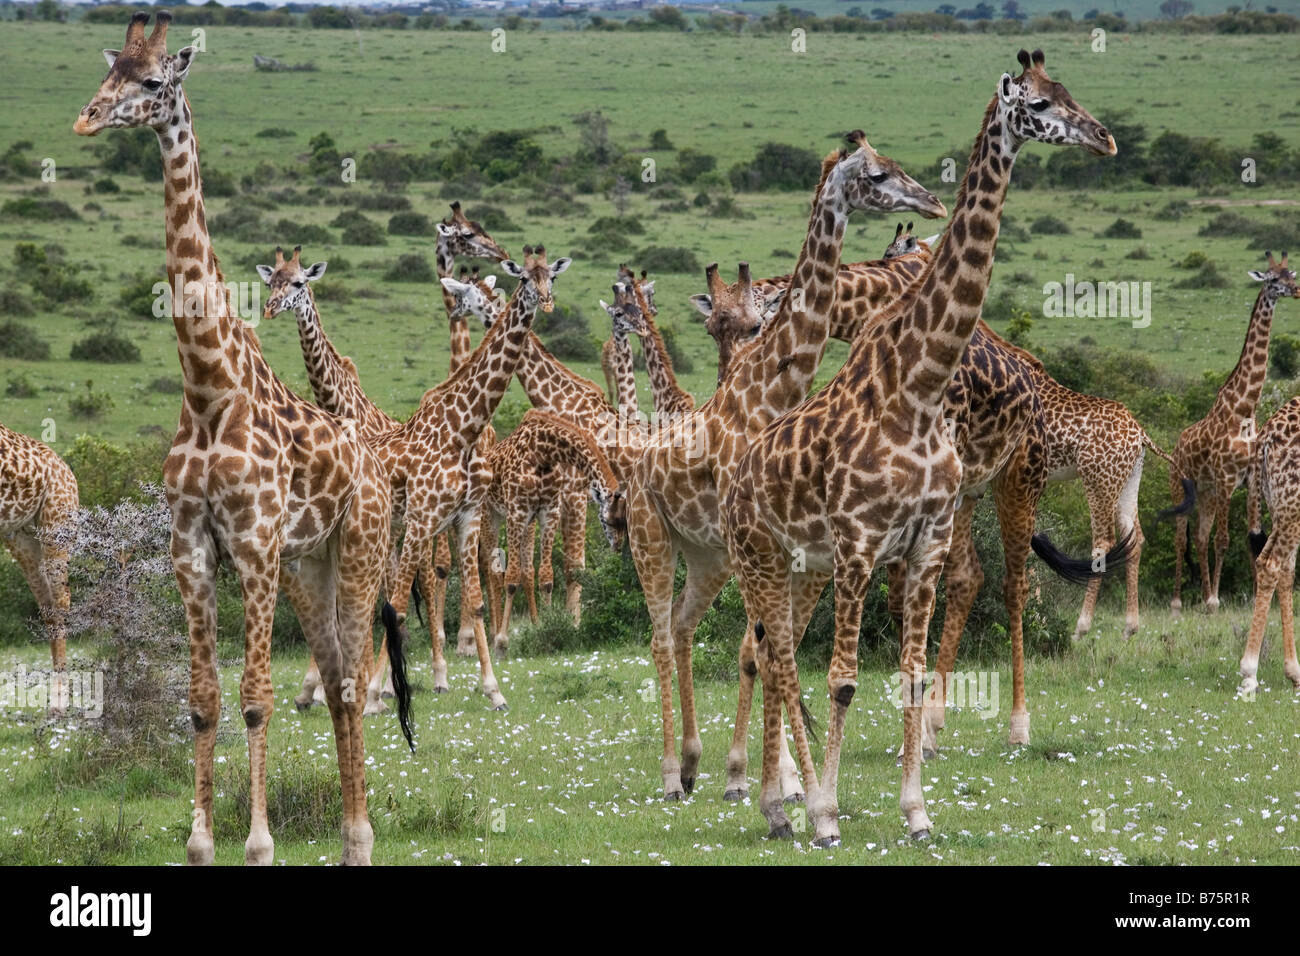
(777, 166)
(1284, 356)
(167, 385)
(491, 218)
(1229, 224)
(364, 232)
(106, 185)
(410, 267)
(38, 210)
(1049, 226)
(90, 404)
(20, 386)
(47, 274)
(13, 302)
(105, 346)
(692, 164)
(1174, 210)
(108, 473)
(137, 297)
(410, 224)
(668, 259)
(17, 341)
(1121, 229)
(566, 334)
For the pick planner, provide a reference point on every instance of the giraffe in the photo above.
(905, 243)
(525, 485)
(458, 236)
(677, 483)
(670, 399)
(626, 318)
(1099, 442)
(256, 478)
(337, 387)
(866, 470)
(1274, 478)
(1213, 454)
(38, 499)
(434, 462)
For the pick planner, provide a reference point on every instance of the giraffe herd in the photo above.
(348, 510)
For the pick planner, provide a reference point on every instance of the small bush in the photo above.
(1174, 210)
(13, 302)
(17, 341)
(38, 210)
(1049, 226)
(1284, 356)
(105, 347)
(364, 232)
(90, 404)
(410, 224)
(410, 267)
(137, 297)
(567, 335)
(1207, 277)
(106, 185)
(275, 132)
(491, 218)
(1121, 229)
(167, 385)
(668, 259)
(304, 234)
(1141, 252)
(1229, 224)
(20, 386)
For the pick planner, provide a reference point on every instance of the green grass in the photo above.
(1148, 732)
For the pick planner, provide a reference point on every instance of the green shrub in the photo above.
(106, 185)
(491, 218)
(668, 259)
(137, 297)
(410, 267)
(275, 132)
(13, 302)
(1049, 226)
(304, 234)
(410, 224)
(167, 385)
(20, 386)
(777, 166)
(38, 210)
(566, 334)
(1121, 229)
(364, 232)
(17, 341)
(90, 404)
(692, 164)
(1284, 356)
(107, 347)
(107, 472)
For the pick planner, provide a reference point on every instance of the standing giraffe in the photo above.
(38, 498)
(866, 471)
(676, 487)
(670, 399)
(1213, 454)
(626, 318)
(280, 490)
(1274, 477)
(434, 461)
(526, 484)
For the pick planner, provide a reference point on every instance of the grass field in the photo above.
(1147, 732)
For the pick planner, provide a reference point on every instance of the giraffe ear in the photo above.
(703, 304)
(559, 265)
(111, 56)
(445, 230)
(181, 62)
(512, 268)
(1258, 276)
(265, 272)
(452, 286)
(772, 302)
(606, 306)
(316, 271)
(490, 282)
(1004, 89)
(648, 288)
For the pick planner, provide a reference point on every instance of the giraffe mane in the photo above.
(1027, 357)
(828, 163)
(578, 435)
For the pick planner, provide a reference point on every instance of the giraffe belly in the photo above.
(1064, 473)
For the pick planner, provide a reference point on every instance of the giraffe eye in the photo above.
(879, 177)
(1039, 105)
(153, 84)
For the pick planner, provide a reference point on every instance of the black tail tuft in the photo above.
(415, 599)
(810, 725)
(396, 658)
(1257, 541)
(1080, 570)
(1189, 499)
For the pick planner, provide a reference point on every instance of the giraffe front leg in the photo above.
(922, 580)
(704, 579)
(1268, 573)
(656, 560)
(433, 584)
(194, 563)
(1129, 526)
(27, 553)
(471, 596)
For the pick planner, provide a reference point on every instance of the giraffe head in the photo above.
(1279, 280)
(465, 237)
(875, 183)
(612, 510)
(904, 243)
(625, 314)
(733, 314)
(473, 296)
(288, 280)
(644, 286)
(535, 277)
(143, 86)
(1034, 106)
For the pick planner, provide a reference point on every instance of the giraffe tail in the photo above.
(1081, 570)
(397, 659)
(1256, 481)
(1146, 440)
(1189, 499)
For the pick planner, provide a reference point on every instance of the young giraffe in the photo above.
(458, 236)
(281, 490)
(1274, 476)
(1213, 454)
(437, 471)
(526, 469)
(626, 318)
(677, 484)
(552, 386)
(866, 471)
(38, 497)
(670, 399)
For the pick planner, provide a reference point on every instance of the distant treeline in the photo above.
(945, 19)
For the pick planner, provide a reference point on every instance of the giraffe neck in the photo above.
(482, 380)
(624, 376)
(1240, 393)
(668, 395)
(944, 304)
(216, 348)
(566, 445)
(461, 346)
(336, 390)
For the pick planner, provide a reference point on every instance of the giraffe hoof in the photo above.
(735, 795)
(791, 799)
(672, 796)
(827, 843)
(688, 784)
(928, 753)
(440, 688)
(782, 832)
(920, 836)
(302, 706)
